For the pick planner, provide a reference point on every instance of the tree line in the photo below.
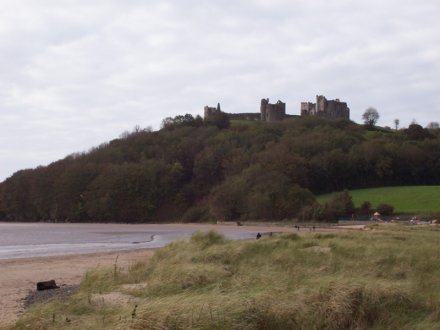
(193, 170)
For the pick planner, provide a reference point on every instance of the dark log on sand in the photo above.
(47, 285)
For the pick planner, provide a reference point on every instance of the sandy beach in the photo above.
(18, 277)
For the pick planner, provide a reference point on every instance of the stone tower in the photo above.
(272, 112)
(263, 106)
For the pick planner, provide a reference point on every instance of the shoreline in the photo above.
(55, 239)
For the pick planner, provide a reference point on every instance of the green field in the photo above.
(385, 277)
(415, 200)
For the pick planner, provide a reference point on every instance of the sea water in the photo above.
(23, 240)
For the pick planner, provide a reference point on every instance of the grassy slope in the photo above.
(367, 279)
(414, 199)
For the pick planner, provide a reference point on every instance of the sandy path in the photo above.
(19, 276)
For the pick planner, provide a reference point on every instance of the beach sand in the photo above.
(19, 276)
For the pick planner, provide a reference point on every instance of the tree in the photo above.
(417, 132)
(219, 119)
(370, 117)
(433, 126)
(181, 121)
(385, 209)
(227, 199)
(396, 123)
(340, 204)
(365, 208)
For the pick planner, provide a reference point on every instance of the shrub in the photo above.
(196, 214)
(365, 208)
(310, 212)
(385, 209)
(340, 204)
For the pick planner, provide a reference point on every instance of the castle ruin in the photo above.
(268, 112)
(325, 108)
(272, 112)
(208, 111)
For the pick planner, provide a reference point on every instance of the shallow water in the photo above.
(23, 240)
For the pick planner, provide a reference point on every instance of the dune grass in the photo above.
(383, 278)
(409, 199)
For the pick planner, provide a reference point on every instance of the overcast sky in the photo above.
(76, 73)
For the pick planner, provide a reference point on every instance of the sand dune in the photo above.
(19, 276)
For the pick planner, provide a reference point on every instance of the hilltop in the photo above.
(196, 170)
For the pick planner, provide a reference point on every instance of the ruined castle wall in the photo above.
(336, 109)
(263, 109)
(321, 103)
(326, 108)
(208, 111)
(244, 116)
(275, 112)
(307, 108)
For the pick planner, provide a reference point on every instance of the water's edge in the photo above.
(24, 240)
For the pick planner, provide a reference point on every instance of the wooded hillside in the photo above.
(191, 170)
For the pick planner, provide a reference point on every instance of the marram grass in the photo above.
(384, 278)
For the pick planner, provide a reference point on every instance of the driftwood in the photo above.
(47, 285)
